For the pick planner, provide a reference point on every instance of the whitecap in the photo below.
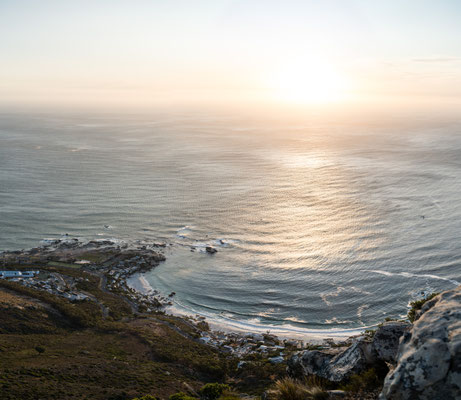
(183, 232)
(336, 321)
(411, 275)
(339, 290)
(292, 318)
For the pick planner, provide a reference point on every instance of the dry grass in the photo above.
(290, 389)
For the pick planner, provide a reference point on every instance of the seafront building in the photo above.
(18, 274)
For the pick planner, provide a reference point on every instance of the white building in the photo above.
(18, 274)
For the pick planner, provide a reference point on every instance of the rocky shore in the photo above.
(115, 262)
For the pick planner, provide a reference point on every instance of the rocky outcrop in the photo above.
(338, 364)
(386, 340)
(333, 364)
(429, 361)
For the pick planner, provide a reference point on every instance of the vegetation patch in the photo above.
(417, 305)
(290, 389)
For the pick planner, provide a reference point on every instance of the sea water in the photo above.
(317, 225)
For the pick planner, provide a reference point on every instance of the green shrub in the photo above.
(417, 305)
(366, 381)
(147, 397)
(181, 396)
(212, 391)
(229, 396)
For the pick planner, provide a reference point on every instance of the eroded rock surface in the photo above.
(429, 361)
(338, 364)
(386, 340)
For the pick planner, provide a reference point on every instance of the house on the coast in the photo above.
(17, 274)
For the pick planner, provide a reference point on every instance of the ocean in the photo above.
(318, 225)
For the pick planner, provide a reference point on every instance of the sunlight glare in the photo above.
(308, 83)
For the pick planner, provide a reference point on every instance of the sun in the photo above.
(308, 83)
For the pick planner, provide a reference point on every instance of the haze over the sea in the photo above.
(346, 54)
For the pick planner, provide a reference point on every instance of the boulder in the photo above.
(357, 358)
(332, 364)
(276, 360)
(211, 250)
(338, 364)
(429, 360)
(386, 340)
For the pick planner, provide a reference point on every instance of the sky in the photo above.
(300, 53)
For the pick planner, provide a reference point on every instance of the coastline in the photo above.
(140, 284)
(121, 266)
(98, 287)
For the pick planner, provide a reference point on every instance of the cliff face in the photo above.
(429, 359)
(424, 358)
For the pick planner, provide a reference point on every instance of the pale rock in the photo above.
(429, 360)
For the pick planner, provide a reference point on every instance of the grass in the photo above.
(27, 315)
(107, 360)
(257, 374)
(63, 264)
(83, 315)
(96, 257)
(82, 355)
(290, 389)
(55, 349)
(118, 307)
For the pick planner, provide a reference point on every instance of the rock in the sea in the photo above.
(211, 250)
(429, 360)
(386, 340)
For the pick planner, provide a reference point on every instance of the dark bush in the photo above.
(212, 391)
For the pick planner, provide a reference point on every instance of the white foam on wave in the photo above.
(337, 321)
(411, 275)
(254, 325)
(183, 232)
(339, 290)
(225, 321)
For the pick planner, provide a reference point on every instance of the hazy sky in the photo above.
(312, 52)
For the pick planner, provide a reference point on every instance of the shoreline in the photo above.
(138, 283)
(124, 276)
(120, 265)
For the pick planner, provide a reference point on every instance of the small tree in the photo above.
(39, 349)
